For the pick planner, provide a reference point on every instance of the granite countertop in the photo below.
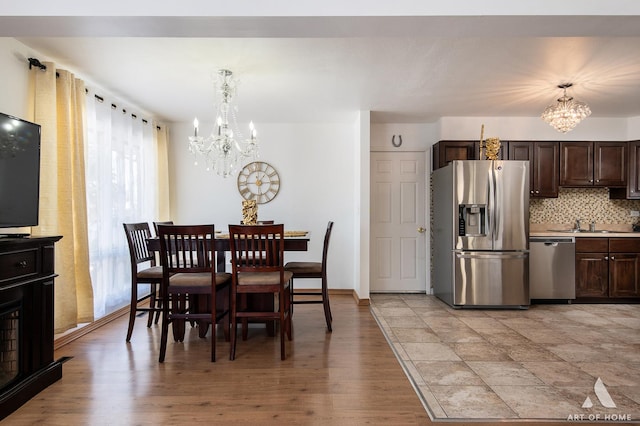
(563, 230)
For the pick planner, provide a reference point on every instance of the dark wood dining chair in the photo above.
(187, 255)
(257, 262)
(166, 222)
(144, 271)
(316, 270)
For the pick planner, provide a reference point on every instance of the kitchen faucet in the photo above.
(577, 224)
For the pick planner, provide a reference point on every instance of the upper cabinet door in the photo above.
(593, 164)
(633, 191)
(543, 166)
(610, 164)
(546, 169)
(576, 163)
(445, 152)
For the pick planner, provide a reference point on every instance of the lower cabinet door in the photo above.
(592, 275)
(623, 275)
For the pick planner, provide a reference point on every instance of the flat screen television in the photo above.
(19, 172)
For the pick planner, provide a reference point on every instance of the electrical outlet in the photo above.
(635, 213)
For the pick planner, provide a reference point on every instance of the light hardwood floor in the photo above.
(348, 377)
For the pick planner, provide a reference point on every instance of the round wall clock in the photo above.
(258, 181)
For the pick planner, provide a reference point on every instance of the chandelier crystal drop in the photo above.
(225, 148)
(567, 112)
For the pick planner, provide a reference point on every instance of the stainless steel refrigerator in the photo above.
(481, 233)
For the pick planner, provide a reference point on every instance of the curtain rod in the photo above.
(34, 62)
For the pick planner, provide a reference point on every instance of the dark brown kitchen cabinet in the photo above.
(543, 165)
(633, 186)
(607, 268)
(592, 267)
(601, 164)
(445, 152)
(624, 267)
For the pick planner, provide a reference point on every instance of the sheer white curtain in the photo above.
(122, 176)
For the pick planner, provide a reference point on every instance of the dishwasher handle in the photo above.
(553, 242)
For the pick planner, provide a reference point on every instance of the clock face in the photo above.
(258, 181)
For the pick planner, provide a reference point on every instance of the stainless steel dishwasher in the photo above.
(552, 271)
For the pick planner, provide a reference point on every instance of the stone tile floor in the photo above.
(540, 363)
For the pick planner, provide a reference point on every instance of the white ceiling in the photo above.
(403, 69)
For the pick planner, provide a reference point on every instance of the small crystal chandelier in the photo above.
(225, 147)
(567, 113)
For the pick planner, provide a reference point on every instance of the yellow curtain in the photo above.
(57, 104)
(163, 212)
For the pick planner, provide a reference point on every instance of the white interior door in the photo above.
(398, 227)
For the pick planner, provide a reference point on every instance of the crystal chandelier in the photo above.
(225, 147)
(567, 113)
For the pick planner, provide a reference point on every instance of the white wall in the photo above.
(13, 84)
(14, 76)
(362, 188)
(326, 8)
(415, 137)
(633, 129)
(531, 128)
(316, 167)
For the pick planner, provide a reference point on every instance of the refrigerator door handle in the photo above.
(492, 255)
(492, 211)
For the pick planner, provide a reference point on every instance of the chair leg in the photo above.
(178, 305)
(214, 314)
(245, 321)
(325, 304)
(245, 329)
(234, 326)
(289, 316)
(132, 310)
(158, 303)
(291, 296)
(199, 303)
(283, 327)
(226, 325)
(226, 320)
(165, 330)
(152, 304)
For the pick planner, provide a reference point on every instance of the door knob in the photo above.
(421, 230)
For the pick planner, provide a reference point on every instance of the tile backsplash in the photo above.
(587, 204)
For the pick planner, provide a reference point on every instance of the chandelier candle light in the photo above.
(224, 148)
(567, 113)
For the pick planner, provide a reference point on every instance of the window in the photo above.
(121, 175)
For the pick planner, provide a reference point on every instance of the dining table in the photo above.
(293, 241)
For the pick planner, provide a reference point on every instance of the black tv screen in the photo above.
(19, 172)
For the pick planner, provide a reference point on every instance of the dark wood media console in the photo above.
(26, 320)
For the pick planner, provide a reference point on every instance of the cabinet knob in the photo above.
(590, 180)
(613, 258)
(606, 258)
(22, 264)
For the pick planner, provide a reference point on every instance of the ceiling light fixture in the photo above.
(225, 147)
(567, 113)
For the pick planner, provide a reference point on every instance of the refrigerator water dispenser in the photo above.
(472, 218)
